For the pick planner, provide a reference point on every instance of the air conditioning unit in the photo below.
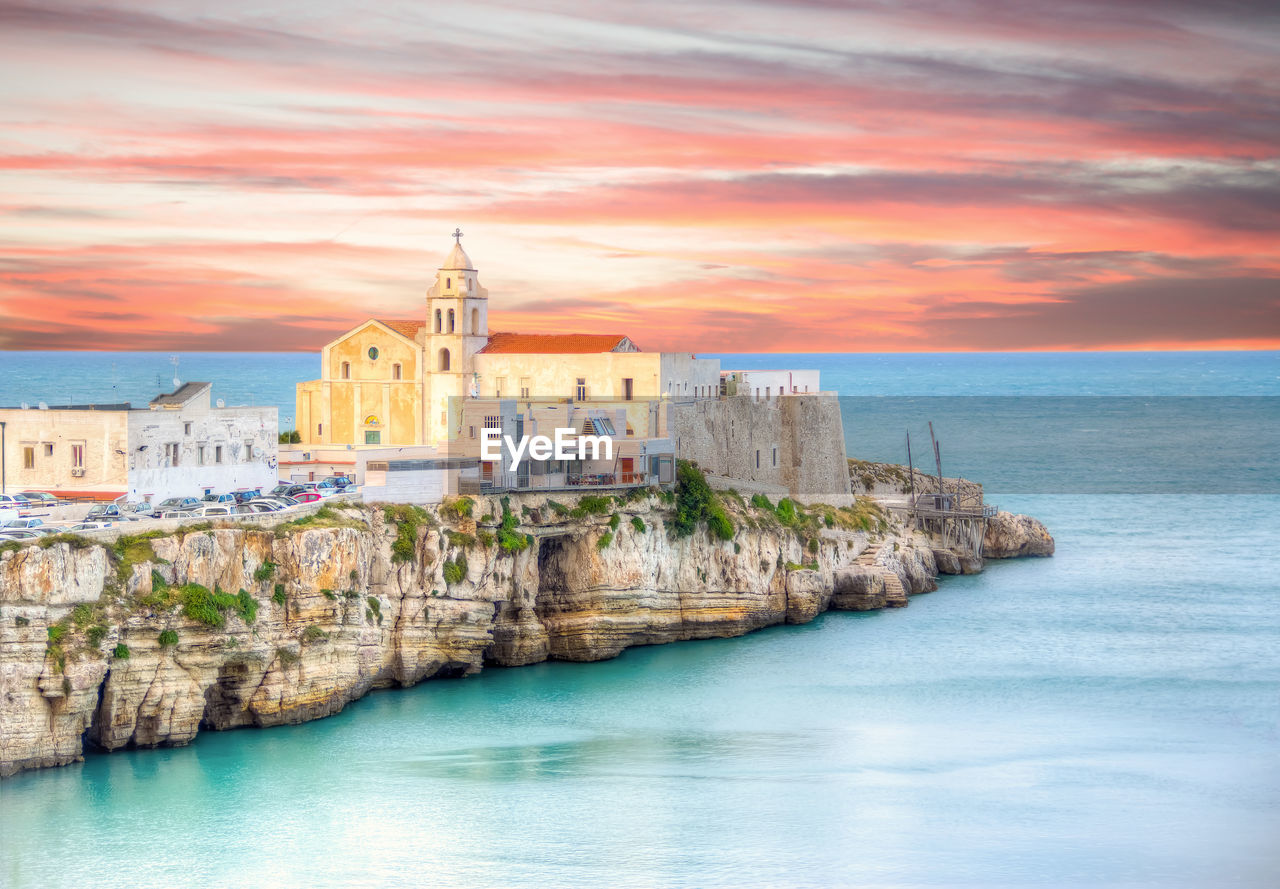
(78, 472)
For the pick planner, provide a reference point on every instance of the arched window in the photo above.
(451, 320)
(444, 359)
(346, 370)
(395, 371)
(475, 320)
(437, 320)
(448, 283)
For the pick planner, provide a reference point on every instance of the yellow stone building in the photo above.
(402, 382)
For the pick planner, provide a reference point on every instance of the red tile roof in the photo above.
(552, 343)
(403, 327)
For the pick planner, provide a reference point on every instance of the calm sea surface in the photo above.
(1108, 717)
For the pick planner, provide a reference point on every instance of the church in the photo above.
(404, 382)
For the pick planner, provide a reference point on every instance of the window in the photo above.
(372, 436)
(448, 283)
(492, 422)
(217, 454)
(437, 320)
(582, 389)
(524, 387)
(471, 431)
(451, 320)
(444, 360)
(171, 452)
(29, 457)
(395, 372)
(626, 388)
(498, 385)
(766, 393)
(775, 456)
(199, 455)
(373, 353)
(248, 449)
(346, 370)
(475, 320)
(186, 428)
(757, 459)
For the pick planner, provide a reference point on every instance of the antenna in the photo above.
(25, 406)
(173, 359)
(220, 403)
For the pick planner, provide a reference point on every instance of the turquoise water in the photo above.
(1108, 717)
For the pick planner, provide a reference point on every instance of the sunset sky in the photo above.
(811, 175)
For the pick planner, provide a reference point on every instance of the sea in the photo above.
(1109, 717)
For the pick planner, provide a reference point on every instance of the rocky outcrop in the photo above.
(149, 641)
(1009, 536)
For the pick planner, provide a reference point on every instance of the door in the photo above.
(626, 388)
(628, 470)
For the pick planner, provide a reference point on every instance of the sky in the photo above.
(704, 175)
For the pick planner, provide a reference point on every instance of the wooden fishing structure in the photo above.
(958, 518)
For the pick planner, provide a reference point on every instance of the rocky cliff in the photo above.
(146, 640)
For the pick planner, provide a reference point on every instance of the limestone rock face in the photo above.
(300, 620)
(1010, 535)
(857, 589)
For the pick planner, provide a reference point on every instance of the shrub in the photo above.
(205, 606)
(759, 501)
(265, 571)
(638, 524)
(96, 634)
(57, 632)
(614, 521)
(558, 508)
(407, 520)
(290, 436)
(459, 508)
(279, 596)
(21, 621)
(786, 511)
(592, 504)
(455, 571)
(81, 615)
(246, 606)
(313, 633)
(330, 595)
(287, 656)
(374, 609)
(486, 538)
(813, 544)
(457, 538)
(508, 538)
(121, 652)
(158, 583)
(695, 503)
(168, 638)
(605, 539)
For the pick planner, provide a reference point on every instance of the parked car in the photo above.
(300, 488)
(253, 507)
(39, 498)
(80, 526)
(174, 504)
(7, 534)
(280, 502)
(219, 498)
(206, 510)
(341, 482)
(13, 501)
(244, 495)
(103, 512)
(308, 497)
(24, 524)
(280, 489)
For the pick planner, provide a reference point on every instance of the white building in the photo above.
(178, 446)
(769, 383)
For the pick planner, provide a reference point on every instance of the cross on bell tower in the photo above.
(457, 235)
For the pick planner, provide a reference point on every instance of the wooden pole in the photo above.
(937, 456)
(912, 467)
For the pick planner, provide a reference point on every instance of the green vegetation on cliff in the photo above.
(697, 503)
